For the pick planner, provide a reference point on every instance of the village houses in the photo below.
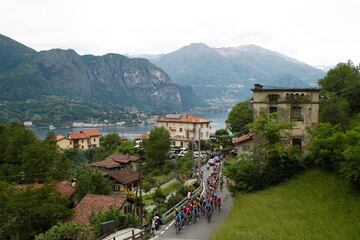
(299, 106)
(185, 129)
(86, 139)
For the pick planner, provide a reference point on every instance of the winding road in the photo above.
(202, 229)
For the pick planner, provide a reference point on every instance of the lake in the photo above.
(217, 122)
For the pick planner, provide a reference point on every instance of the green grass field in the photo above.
(317, 205)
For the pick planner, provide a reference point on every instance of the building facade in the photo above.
(299, 106)
(186, 130)
(87, 139)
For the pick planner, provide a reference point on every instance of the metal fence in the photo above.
(169, 214)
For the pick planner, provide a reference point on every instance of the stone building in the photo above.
(186, 129)
(299, 106)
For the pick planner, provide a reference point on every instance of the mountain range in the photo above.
(232, 71)
(111, 78)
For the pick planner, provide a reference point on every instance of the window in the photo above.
(116, 187)
(297, 142)
(273, 97)
(94, 140)
(272, 109)
(82, 140)
(70, 142)
(82, 146)
(180, 129)
(296, 112)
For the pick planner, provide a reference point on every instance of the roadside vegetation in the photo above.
(316, 205)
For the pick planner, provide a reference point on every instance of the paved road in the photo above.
(203, 229)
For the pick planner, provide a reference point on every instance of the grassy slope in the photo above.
(316, 205)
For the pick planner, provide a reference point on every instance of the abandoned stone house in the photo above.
(299, 106)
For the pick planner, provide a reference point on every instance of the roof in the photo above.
(244, 138)
(65, 188)
(115, 160)
(23, 187)
(261, 88)
(142, 137)
(93, 203)
(81, 135)
(59, 137)
(124, 176)
(77, 135)
(92, 132)
(183, 118)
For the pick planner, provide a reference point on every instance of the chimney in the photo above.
(258, 86)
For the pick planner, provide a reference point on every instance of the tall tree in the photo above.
(25, 213)
(157, 147)
(340, 93)
(239, 117)
(90, 180)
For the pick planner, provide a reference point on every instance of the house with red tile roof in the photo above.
(93, 203)
(116, 162)
(124, 180)
(85, 139)
(65, 188)
(186, 129)
(244, 143)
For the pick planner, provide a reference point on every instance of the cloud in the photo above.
(317, 32)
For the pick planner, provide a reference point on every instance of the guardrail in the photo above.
(169, 214)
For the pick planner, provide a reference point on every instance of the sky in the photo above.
(318, 32)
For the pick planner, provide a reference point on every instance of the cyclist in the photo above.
(218, 200)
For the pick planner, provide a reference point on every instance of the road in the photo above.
(202, 229)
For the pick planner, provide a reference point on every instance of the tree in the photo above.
(91, 180)
(66, 231)
(157, 147)
(127, 147)
(25, 213)
(222, 132)
(269, 126)
(340, 90)
(326, 147)
(110, 142)
(239, 117)
(43, 160)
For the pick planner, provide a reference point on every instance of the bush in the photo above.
(159, 196)
(66, 231)
(251, 175)
(121, 220)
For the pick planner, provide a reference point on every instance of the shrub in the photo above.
(121, 220)
(66, 231)
(159, 196)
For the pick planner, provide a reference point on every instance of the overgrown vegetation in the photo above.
(66, 231)
(26, 159)
(121, 220)
(336, 140)
(272, 163)
(25, 213)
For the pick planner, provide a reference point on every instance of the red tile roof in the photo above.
(65, 188)
(124, 176)
(93, 203)
(92, 132)
(77, 135)
(115, 160)
(59, 137)
(184, 118)
(142, 137)
(82, 134)
(244, 138)
(23, 187)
